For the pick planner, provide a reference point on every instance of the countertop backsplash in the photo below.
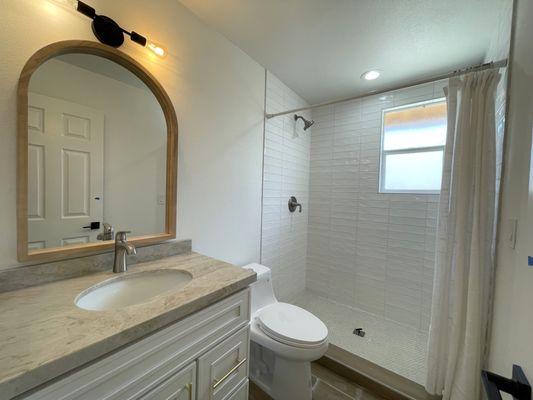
(38, 274)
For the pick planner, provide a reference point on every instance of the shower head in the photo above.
(307, 123)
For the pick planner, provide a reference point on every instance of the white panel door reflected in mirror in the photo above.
(97, 152)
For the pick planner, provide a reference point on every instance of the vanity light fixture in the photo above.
(371, 75)
(108, 31)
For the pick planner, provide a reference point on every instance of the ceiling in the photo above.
(319, 48)
(103, 66)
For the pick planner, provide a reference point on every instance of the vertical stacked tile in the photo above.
(286, 173)
(366, 249)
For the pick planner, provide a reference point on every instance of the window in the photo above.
(412, 148)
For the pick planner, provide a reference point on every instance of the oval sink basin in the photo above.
(131, 288)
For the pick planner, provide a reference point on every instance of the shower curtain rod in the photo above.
(480, 67)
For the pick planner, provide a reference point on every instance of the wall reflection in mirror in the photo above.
(97, 142)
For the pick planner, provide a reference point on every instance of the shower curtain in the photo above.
(465, 240)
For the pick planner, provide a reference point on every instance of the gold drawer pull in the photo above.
(231, 371)
(187, 387)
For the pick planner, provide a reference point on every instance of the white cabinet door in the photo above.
(224, 368)
(65, 171)
(181, 386)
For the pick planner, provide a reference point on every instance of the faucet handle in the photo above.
(108, 227)
(121, 236)
(293, 204)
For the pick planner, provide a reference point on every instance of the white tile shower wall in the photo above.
(365, 249)
(286, 173)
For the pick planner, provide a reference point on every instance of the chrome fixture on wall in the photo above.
(307, 123)
(293, 204)
(107, 31)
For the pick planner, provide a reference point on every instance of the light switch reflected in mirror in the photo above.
(97, 153)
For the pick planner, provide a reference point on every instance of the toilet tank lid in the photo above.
(259, 269)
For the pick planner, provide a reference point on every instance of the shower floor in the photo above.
(391, 345)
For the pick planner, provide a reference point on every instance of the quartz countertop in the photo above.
(43, 334)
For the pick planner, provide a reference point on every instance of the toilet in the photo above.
(284, 340)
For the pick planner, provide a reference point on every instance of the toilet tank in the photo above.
(262, 293)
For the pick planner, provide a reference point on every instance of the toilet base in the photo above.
(292, 380)
(280, 378)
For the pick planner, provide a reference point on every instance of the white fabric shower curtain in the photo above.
(465, 240)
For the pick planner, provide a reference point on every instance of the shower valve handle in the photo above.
(293, 204)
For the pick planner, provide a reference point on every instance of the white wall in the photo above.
(286, 173)
(369, 250)
(513, 321)
(218, 93)
(135, 139)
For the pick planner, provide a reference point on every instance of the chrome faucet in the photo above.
(107, 234)
(122, 247)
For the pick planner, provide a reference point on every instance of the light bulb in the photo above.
(157, 49)
(66, 3)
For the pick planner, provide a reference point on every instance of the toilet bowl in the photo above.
(284, 340)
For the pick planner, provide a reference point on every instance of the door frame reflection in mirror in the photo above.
(77, 250)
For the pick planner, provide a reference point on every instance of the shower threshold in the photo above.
(391, 345)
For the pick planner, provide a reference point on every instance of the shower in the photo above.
(307, 123)
(358, 262)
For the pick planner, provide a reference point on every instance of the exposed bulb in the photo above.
(73, 4)
(157, 49)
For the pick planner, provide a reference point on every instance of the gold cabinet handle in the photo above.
(187, 387)
(231, 371)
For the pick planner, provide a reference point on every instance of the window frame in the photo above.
(409, 150)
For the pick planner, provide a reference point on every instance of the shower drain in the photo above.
(359, 332)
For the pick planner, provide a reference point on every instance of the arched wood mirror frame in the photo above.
(97, 49)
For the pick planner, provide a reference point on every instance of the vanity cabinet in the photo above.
(203, 356)
(180, 386)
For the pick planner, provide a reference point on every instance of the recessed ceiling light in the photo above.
(371, 75)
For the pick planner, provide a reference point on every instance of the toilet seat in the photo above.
(292, 325)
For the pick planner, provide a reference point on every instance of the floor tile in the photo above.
(396, 347)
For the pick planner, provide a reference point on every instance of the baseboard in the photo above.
(376, 379)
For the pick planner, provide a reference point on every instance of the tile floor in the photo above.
(398, 348)
(328, 386)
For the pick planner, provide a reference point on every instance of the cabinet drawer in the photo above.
(224, 368)
(241, 393)
(181, 386)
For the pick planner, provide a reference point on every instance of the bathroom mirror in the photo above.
(97, 145)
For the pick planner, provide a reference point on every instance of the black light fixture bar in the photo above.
(137, 38)
(86, 9)
(108, 31)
